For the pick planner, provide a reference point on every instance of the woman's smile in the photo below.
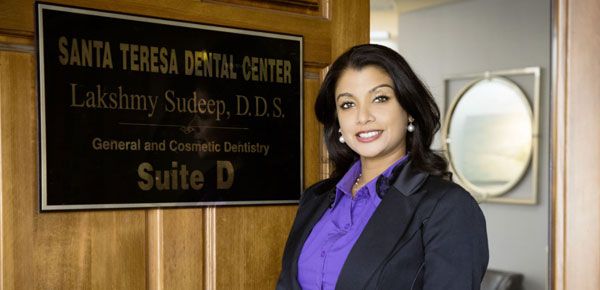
(368, 136)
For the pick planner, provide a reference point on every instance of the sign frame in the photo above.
(40, 7)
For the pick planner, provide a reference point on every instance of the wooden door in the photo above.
(575, 139)
(194, 248)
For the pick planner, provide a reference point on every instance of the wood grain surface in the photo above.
(185, 248)
(576, 159)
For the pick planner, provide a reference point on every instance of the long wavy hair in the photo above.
(412, 95)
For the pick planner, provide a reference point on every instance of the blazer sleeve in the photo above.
(455, 243)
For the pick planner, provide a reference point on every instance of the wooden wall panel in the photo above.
(576, 135)
(16, 17)
(18, 179)
(117, 249)
(249, 245)
(183, 249)
(68, 250)
(61, 251)
(350, 25)
(306, 7)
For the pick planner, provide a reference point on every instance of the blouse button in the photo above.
(346, 226)
(323, 253)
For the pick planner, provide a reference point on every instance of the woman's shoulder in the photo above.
(451, 206)
(449, 193)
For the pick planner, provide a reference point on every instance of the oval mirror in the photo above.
(488, 134)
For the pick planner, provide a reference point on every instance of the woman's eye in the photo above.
(346, 105)
(381, 99)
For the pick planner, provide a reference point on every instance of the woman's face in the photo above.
(371, 119)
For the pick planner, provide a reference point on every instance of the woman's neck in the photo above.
(373, 167)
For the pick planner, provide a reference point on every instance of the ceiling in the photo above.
(403, 6)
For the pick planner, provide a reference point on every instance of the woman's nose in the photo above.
(364, 115)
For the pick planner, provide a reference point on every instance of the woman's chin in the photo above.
(369, 154)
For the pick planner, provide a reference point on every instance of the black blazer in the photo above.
(427, 233)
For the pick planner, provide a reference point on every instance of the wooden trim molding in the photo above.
(2, 239)
(210, 248)
(9, 42)
(575, 133)
(154, 232)
(310, 8)
(558, 144)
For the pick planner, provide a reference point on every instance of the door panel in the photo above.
(232, 247)
(251, 237)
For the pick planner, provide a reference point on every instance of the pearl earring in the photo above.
(411, 126)
(342, 140)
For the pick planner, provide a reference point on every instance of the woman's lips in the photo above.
(368, 136)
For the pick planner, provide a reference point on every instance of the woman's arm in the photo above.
(455, 243)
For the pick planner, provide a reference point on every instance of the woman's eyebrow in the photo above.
(344, 95)
(380, 86)
(370, 91)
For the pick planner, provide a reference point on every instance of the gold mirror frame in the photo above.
(482, 194)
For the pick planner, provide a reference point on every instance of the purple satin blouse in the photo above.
(332, 238)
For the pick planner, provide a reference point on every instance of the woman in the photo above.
(388, 218)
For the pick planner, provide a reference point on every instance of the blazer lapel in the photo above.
(314, 210)
(384, 230)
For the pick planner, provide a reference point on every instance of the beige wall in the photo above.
(467, 37)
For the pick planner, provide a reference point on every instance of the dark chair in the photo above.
(501, 280)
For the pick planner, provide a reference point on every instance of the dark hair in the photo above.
(412, 95)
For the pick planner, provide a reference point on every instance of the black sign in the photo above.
(145, 112)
